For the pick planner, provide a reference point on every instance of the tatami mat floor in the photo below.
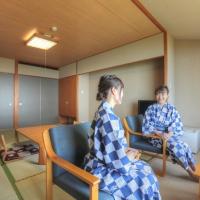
(22, 169)
(6, 189)
(29, 179)
(33, 188)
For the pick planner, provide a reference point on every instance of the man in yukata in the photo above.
(109, 158)
(163, 119)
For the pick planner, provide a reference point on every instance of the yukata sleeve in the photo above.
(122, 136)
(114, 149)
(148, 125)
(176, 125)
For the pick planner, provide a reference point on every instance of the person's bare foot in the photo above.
(193, 167)
(192, 175)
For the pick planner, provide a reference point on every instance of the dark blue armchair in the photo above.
(66, 147)
(135, 138)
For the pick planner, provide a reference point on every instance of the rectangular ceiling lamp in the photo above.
(40, 42)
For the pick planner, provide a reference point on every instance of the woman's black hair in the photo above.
(162, 88)
(107, 82)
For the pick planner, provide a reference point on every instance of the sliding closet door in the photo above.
(49, 101)
(6, 101)
(29, 100)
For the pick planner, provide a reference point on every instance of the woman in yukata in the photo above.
(163, 119)
(109, 157)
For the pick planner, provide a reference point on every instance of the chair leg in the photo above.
(49, 181)
(127, 137)
(16, 136)
(199, 187)
(164, 165)
(94, 192)
(164, 157)
(3, 143)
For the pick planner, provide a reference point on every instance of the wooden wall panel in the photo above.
(68, 96)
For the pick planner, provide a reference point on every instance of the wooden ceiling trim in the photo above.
(165, 38)
(149, 15)
(140, 23)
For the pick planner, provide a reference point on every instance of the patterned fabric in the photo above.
(164, 119)
(121, 177)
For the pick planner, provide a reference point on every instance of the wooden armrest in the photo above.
(148, 136)
(152, 136)
(156, 137)
(71, 168)
(130, 131)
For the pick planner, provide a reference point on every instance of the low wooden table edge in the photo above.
(35, 133)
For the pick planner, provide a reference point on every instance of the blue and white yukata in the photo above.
(164, 119)
(121, 177)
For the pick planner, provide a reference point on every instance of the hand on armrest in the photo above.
(132, 153)
(164, 136)
(158, 135)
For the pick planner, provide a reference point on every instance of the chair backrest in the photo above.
(70, 142)
(135, 122)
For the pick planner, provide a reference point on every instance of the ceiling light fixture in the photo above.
(41, 41)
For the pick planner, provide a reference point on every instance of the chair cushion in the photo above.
(77, 188)
(144, 145)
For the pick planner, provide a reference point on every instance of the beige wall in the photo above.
(67, 70)
(140, 80)
(171, 68)
(147, 48)
(83, 97)
(37, 71)
(140, 50)
(187, 80)
(7, 65)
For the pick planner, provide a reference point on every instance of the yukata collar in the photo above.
(164, 105)
(106, 105)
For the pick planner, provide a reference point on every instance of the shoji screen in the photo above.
(6, 101)
(38, 100)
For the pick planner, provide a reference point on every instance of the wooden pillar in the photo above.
(16, 100)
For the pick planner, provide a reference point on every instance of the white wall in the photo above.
(7, 65)
(140, 80)
(187, 80)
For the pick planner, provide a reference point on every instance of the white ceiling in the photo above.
(181, 18)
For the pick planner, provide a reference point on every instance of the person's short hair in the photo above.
(161, 89)
(107, 82)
